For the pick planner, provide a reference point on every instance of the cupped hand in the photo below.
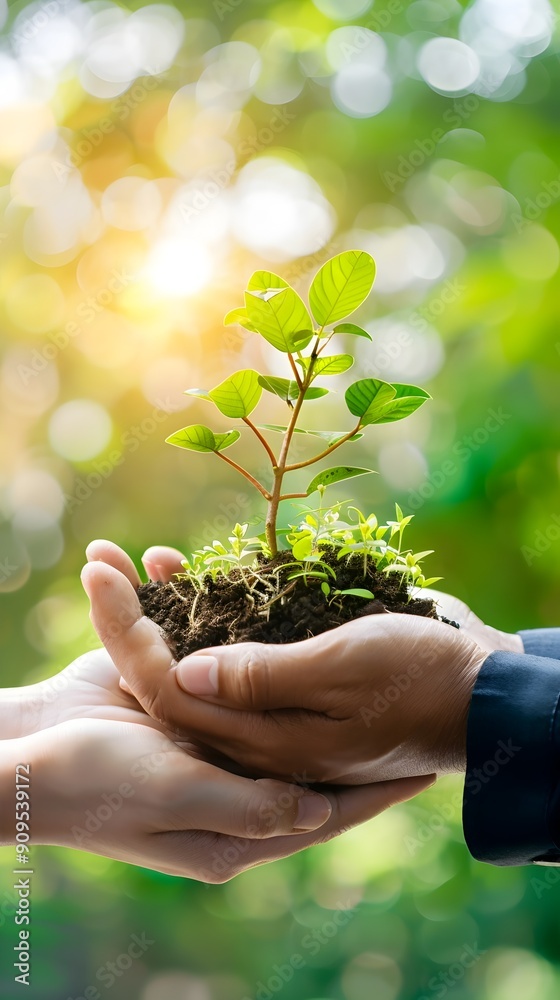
(88, 688)
(128, 792)
(379, 698)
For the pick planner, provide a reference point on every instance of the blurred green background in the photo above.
(150, 158)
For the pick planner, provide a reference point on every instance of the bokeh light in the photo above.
(80, 429)
(448, 65)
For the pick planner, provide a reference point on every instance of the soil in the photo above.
(228, 614)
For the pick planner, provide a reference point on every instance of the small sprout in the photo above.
(356, 592)
(302, 332)
(275, 311)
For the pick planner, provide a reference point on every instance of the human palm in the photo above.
(88, 688)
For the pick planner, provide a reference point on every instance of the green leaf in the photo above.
(340, 434)
(263, 281)
(336, 475)
(341, 285)
(302, 548)
(224, 440)
(240, 317)
(308, 574)
(336, 364)
(197, 437)
(356, 331)
(200, 393)
(368, 397)
(358, 592)
(288, 389)
(280, 318)
(300, 340)
(281, 429)
(237, 395)
(330, 436)
(407, 399)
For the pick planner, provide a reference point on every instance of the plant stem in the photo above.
(263, 441)
(297, 375)
(326, 452)
(252, 480)
(281, 468)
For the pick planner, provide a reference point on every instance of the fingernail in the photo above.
(313, 811)
(198, 674)
(154, 571)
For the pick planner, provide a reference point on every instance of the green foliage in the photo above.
(341, 285)
(288, 390)
(321, 531)
(330, 436)
(238, 395)
(335, 365)
(336, 475)
(279, 315)
(275, 311)
(406, 400)
(349, 592)
(197, 437)
(239, 316)
(356, 331)
(367, 398)
(380, 545)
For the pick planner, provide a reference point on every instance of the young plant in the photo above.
(275, 311)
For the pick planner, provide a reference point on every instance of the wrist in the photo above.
(508, 642)
(455, 705)
(13, 713)
(27, 709)
(28, 794)
(17, 773)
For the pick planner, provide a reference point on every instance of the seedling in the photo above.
(275, 311)
(336, 560)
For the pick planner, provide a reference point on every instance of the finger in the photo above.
(241, 807)
(161, 562)
(220, 860)
(102, 550)
(257, 676)
(141, 655)
(134, 643)
(124, 686)
(350, 807)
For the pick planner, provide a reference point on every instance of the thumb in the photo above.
(257, 676)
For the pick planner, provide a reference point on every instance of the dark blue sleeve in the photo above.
(542, 642)
(511, 805)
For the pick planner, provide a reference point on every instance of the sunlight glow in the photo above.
(178, 267)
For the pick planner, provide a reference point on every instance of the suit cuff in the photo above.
(542, 642)
(513, 761)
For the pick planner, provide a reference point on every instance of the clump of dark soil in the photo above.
(228, 613)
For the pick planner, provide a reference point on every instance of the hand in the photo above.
(382, 697)
(88, 688)
(485, 636)
(128, 792)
